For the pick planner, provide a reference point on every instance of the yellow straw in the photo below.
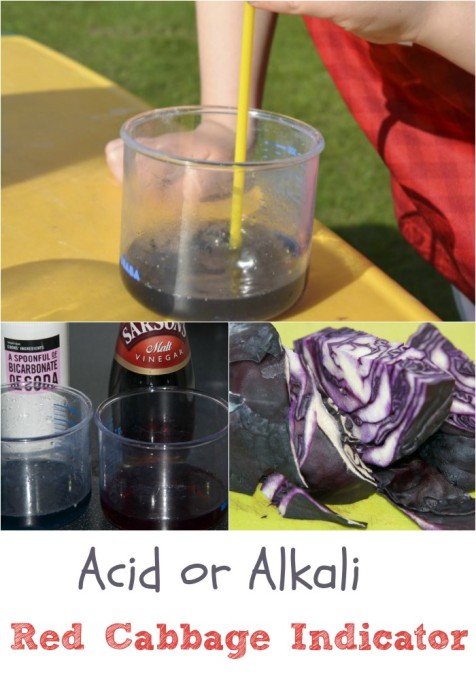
(242, 125)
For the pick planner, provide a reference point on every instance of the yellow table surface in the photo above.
(255, 512)
(61, 207)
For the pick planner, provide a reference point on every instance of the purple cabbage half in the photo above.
(391, 397)
(279, 425)
(451, 449)
(326, 461)
(441, 352)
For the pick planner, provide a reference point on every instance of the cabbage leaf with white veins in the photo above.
(391, 397)
(451, 449)
(329, 466)
(278, 423)
(441, 352)
(296, 503)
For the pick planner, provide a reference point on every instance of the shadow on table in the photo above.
(329, 273)
(384, 246)
(45, 131)
(68, 290)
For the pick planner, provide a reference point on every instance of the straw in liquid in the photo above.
(242, 125)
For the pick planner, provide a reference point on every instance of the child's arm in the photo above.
(219, 26)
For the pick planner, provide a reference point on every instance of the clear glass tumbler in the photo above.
(163, 459)
(46, 457)
(182, 255)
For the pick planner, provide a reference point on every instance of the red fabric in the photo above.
(417, 109)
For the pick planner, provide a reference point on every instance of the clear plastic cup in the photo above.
(46, 458)
(177, 255)
(163, 459)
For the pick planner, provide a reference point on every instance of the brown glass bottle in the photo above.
(151, 354)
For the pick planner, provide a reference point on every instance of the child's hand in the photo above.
(380, 22)
(446, 27)
(211, 141)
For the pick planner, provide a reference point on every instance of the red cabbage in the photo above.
(441, 352)
(347, 414)
(278, 423)
(257, 369)
(328, 465)
(422, 493)
(257, 447)
(259, 406)
(453, 456)
(296, 503)
(391, 397)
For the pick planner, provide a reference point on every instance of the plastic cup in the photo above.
(177, 255)
(46, 459)
(163, 459)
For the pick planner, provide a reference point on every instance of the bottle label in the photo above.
(33, 361)
(152, 347)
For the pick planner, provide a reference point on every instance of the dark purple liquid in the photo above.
(263, 279)
(179, 496)
(30, 491)
(259, 306)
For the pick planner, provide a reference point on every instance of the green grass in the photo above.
(150, 49)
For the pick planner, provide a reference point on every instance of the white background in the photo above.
(405, 579)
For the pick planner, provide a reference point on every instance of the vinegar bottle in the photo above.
(151, 354)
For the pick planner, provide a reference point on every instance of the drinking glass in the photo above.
(163, 459)
(182, 255)
(46, 458)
